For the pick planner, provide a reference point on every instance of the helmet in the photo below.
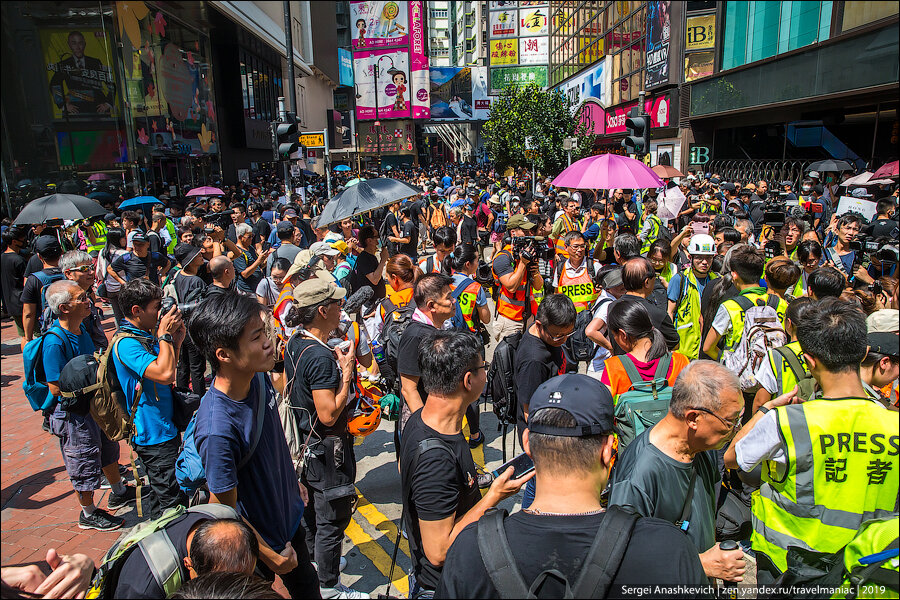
(365, 418)
(701, 244)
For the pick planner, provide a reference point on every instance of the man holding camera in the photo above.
(518, 278)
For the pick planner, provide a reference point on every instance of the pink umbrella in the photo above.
(891, 169)
(206, 191)
(607, 172)
(99, 177)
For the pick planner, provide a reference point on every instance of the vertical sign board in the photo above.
(519, 44)
(658, 34)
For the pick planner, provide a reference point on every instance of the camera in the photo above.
(168, 303)
(531, 248)
(220, 219)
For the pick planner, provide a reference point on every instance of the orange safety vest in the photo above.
(619, 382)
(580, 289)
(568, 225)
(511, 304)
(284, 298)
(397, 300)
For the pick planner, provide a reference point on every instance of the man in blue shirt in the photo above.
(144, 359)
(85, 449)
(229, 330)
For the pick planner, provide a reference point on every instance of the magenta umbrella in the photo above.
(608, 172)
(892, 169)
(206, 191)
(99, 177)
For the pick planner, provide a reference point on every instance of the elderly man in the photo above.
(78, 266)
(671, 471)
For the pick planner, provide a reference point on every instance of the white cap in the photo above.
(814, 174)
(323, 249)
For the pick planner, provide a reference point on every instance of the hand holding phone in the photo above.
(522, 465)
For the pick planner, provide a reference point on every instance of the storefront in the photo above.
(123, 89)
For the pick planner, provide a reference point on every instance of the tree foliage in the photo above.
(546, 117)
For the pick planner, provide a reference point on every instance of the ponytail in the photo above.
(633, 319)
(462, 254)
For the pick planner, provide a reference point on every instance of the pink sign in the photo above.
(594, 116)
(420, 81)
(657, 108)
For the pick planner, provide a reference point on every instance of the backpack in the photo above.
(806, 383)
(597, 571)
(500, 220)
(153, 541)
(583, 347)
(35, 384)
(645, 402)
(501, 379)
(762, 332)
(458, 321)
(189, 470)
(45, 316)
(396, 321)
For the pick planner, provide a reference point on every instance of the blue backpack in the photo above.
(189, 468)
(35, 384)
(458, 321)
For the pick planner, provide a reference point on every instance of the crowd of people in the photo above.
(677, 384)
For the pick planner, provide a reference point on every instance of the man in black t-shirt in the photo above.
(49, 251)
(408, 240)
(12, 276)
(570, 438)
(438, 477)
(140, 262)
(190, 288)
(390, 227)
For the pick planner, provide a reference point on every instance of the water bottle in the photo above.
(378, 351)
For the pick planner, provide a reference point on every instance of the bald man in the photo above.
(222, 270)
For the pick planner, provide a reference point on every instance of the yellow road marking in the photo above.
(375, 553)
(380, 522)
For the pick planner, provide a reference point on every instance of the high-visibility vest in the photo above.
(99, 229)
(785, 378)
(568, 225)
(279, 311)
(669, 272)
(864, 552)
(467, 300)
(842, 465)
(655, 224)
(173, 236)
(395, 300)
(736, 313)
(580, 289)
(620, 382)
(687, 314)
(511, 303)
(801, 286)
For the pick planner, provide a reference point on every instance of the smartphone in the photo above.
(521, 464)
(700, 228)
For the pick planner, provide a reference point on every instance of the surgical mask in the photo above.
(805, 188)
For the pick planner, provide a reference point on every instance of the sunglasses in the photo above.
(82, 269)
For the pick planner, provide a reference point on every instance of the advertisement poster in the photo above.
(701, 33)
(503, 24)
(418, 62)
(505, 52)
(534, 50)
(658, 31)
(389, 71)
(102, 149)
(390, 137)
(533, 21)
(459, 94)
(587, 84)
(698, 64)
(502, 4)
(345, 67)
(377, 24)
(657, 108)
(518, 76)
(80, 78)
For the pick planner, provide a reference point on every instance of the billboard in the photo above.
(390, 70)
(518, 76)
(79, 71)
(519, 44)
(503, 24)
(389, 138)
(701, 32)
(460, 94)
(658, 33)
(587, 84)
(345, 67)
(657, 108)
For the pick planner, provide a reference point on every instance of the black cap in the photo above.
(284, 226)
(728, 187)
(139, 237)
(47, 245)
(110, 217)
(587, 400)
(185, 253)
(884, 342)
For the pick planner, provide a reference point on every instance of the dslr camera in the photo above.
(168, 303)
(220, 219)
(531, 248)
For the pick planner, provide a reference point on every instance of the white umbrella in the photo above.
(864, 179)
(670, 203)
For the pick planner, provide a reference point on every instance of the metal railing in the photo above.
(753, 170)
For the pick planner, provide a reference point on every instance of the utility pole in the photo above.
(292, 88)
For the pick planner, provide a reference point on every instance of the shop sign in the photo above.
(505, 52)
(591, 114)
(697, 65)
(699, 155)
(700, 32)
(518, 76)
(657, 108)
(658, 33)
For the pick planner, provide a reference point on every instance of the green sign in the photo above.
(518, 76)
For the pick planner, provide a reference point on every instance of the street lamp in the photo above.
(375, 69)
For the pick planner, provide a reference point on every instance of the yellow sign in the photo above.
(505, 52)
(312, 140)
(700, 32)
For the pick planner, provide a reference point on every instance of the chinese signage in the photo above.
(658, 32)
(459, 94)
(657, 108)
(518, 76)
(533, 50)
(390, 137)
(698, 64)
(79, 74)
(504, 24)
(312, 140)
(505, 52)
(393, 80)
(700, 32)
(519, 44)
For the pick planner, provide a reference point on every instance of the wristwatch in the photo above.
(167, 337)
(763, 409)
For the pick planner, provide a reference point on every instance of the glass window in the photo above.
(857, 14)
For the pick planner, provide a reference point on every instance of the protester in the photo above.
(34, 300)
(12, 276)
(190, 289)
(222, 270)
(640, 279)
(247, 261)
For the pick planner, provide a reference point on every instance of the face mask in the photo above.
(805, 188)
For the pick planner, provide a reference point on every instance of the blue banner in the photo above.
(345, 65)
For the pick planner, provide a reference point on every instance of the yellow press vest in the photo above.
(785, 377)
(736, 313)
(579, 289)
(568, 225)
(655, 224)
(882, 580)
(687, 315)
(99, 229)
(842, 467)
(668, 273)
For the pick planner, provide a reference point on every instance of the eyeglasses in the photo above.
(82, 269)
(734, 426)
(556, 338)
(83, 297)
(484, 365)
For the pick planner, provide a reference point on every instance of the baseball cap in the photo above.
(814, 174)
(884, 320)
(47, 245)
(860, 192)
(715, 181)
(611, 278)
(185, 253)
(323, 249)
(461, 201)
(786, 182)
(139, 237)
(587, 400)
(110, 217)
(884, 342)
(289, 213)
(284, 226)
(728, 186)
(519, 222)
(314, 291)
(563, 194)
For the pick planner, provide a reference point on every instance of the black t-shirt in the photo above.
(411, 231)
(311, 366)
(468, 232)
(31, 293)
(261, 229)
(390, 221)
(883, 228)
(536, 362)
(189, 288)
(658, 554)
(12, 277)
(408, 352)
(136, 580)
(440, 486)
(658, 316)
(156, 242)
(241, 262)
(34, 265)
(135, 267)
(212, 290)
(415, 211)
(367, 263)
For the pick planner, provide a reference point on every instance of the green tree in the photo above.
(545, 117)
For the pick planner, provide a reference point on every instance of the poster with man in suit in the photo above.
(80, 83)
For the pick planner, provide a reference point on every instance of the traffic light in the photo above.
(638, 139)
(284, 138)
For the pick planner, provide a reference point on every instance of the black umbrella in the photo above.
(830, 165)
(58, 206)
(365, 196)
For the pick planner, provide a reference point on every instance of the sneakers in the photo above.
(341, 592)
(100, 520)
(474, 441)
(341, 568)
(116, 501)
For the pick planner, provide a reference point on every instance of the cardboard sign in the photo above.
(858, 205)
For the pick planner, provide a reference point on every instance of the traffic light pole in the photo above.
(285, 165)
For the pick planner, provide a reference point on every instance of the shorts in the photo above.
(85, 449)
(17, 319)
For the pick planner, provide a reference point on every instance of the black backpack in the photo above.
(599, 566)
(501, 380)
(583, 347)
(396, 320)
